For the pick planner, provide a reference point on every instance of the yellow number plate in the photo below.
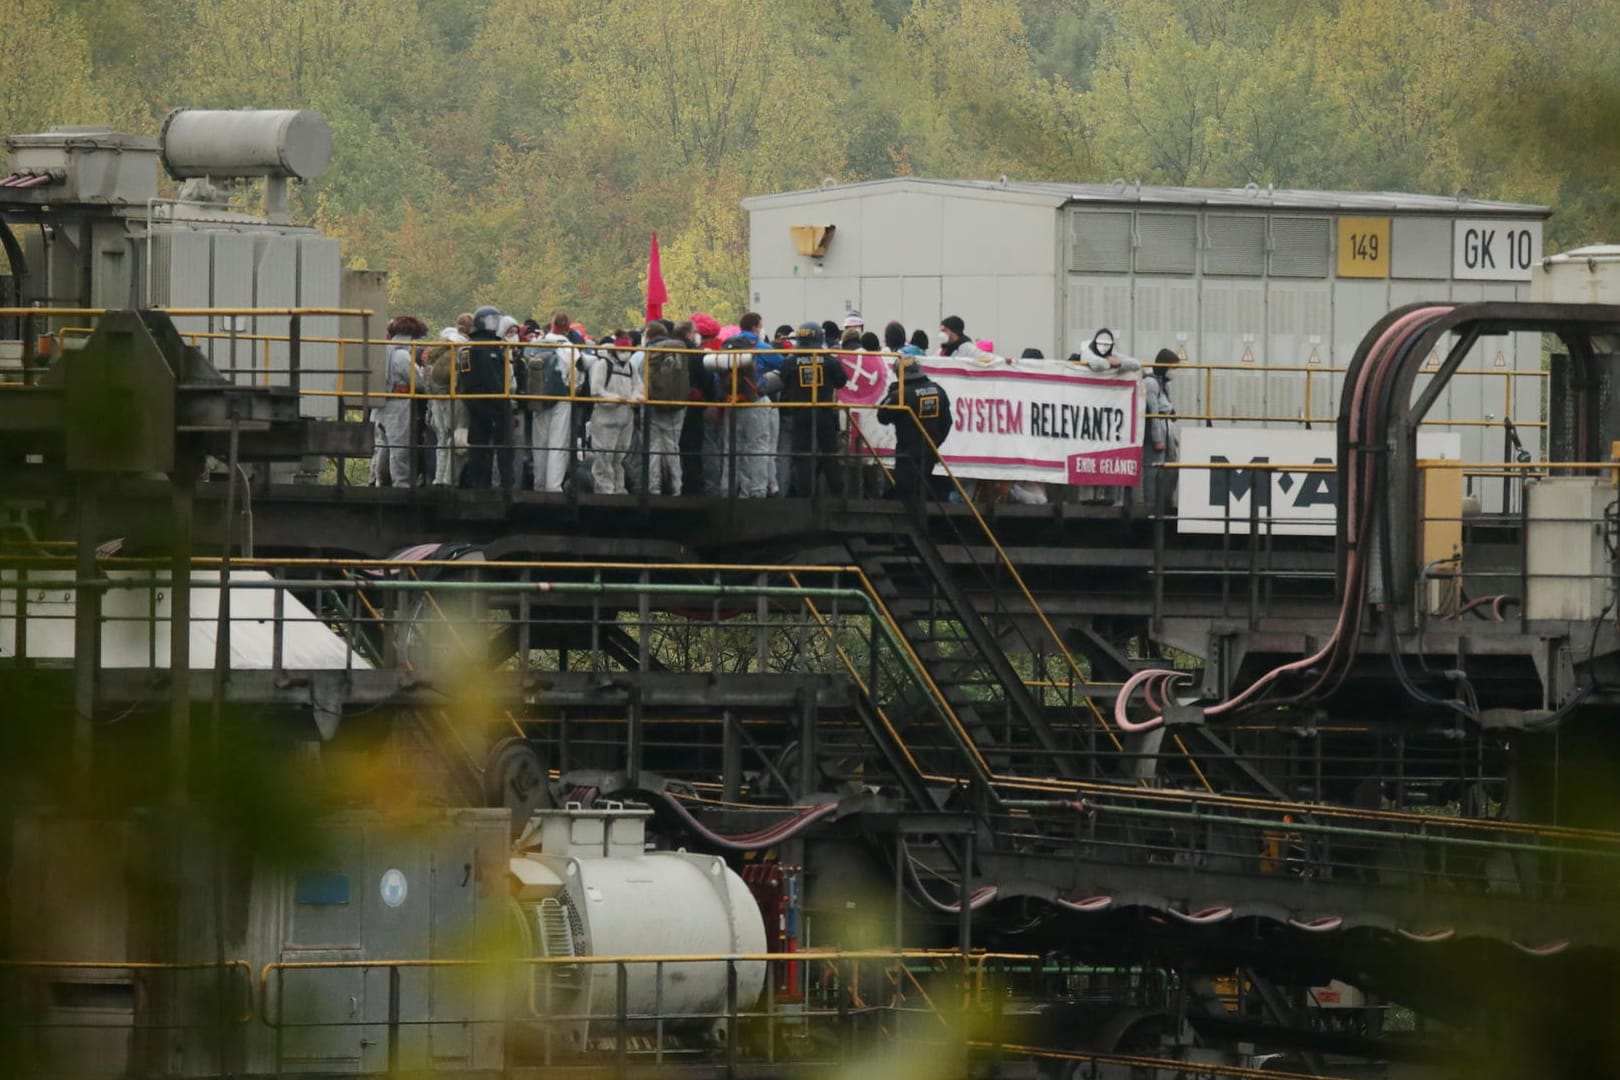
(1364, 247)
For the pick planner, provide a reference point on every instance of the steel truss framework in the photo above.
(949, 682)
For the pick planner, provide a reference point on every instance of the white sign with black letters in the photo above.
(1302, 501)
(1494, 249)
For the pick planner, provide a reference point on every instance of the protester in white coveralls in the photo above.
(664, 378)
(744, 432)
(1099, 355)
(553, 373)
(612, 382)
(447, 416)
(1162, 444)
(393, 417)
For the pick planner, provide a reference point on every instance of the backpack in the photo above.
(546, 375)
(747, 377)
(667, 378)
(436, 361)
(621, 375)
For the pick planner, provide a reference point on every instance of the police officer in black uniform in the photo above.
(914, 392)
(813, 378)
(489, 419)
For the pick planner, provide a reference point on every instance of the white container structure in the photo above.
(1251, 277)
(1583, 275)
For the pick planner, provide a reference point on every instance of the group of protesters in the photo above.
(689, 407)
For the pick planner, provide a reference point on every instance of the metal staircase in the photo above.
(962, 655)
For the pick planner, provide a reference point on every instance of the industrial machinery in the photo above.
(319, 778)
(84, 224)
(587, 886)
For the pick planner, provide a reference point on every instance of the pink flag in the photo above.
(657, 295)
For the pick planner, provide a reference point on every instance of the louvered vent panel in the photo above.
(1100, 240)
(1299, 247)
(1237, 245)
(1168, 243)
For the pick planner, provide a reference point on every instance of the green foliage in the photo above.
(520, 152)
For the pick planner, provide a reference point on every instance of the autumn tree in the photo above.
(49, 77)
(519, 152)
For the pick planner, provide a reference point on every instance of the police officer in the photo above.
(813, 378)
(915, 393)
(489, 419)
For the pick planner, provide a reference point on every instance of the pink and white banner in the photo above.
(1046, 421)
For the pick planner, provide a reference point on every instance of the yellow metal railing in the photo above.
(1044, 786)
(1142, 1064)
(1204, 372)
(1311, 371)
(972, 964)
(1052, 634)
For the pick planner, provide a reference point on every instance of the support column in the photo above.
(807, 743)
(730, 756)
(180, 640)
(964, 914)
(86, 635)
(633, 742)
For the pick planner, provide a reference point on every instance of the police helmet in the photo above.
(808, 335)
(487, 319)
(907, 365)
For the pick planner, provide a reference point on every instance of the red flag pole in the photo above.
(657, 295)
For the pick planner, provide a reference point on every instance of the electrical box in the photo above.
(81, 165)
(1569, 570)
(1440, 499)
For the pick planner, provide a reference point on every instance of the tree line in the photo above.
(519, 152)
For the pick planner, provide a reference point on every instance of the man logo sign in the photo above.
(1285, 501)
(1299, 490)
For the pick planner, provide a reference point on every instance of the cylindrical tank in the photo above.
(670, 903)
(246, 142)
(603, 896)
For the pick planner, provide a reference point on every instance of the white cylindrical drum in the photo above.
(670, 903)
(246, 142)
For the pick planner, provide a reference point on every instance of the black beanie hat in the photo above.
(919, 339)
(894, 336)
(954, 324)
(1032, 353)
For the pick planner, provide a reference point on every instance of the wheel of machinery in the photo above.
(517, 778)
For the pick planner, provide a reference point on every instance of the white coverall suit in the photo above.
(394, 417)
(444, 417)
(551, 431)
(1103, 363)
(664, 423)
(745, 432)
(612, 381)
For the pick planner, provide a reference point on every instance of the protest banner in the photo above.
(1044, 421)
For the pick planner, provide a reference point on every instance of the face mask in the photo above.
(1103, 344)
